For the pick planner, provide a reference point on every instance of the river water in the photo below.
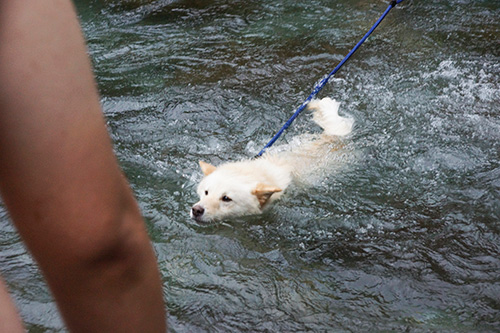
(403, 235)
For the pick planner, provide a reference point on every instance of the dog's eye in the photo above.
(206, 192)
(226, 198)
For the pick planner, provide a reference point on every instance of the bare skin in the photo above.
(61, 182)
(9, 319)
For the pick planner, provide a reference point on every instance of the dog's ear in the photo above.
(264, 192)
(206, 168)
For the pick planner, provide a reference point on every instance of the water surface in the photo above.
(405, 235)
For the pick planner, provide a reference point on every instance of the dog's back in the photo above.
(310, 153)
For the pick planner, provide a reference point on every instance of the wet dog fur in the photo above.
(248, 187)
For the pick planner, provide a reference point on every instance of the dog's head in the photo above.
(227, 192)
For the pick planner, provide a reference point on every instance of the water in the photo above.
(404, 236)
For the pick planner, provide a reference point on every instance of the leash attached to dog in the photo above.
(324, 81)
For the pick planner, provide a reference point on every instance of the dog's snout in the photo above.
(198, 211)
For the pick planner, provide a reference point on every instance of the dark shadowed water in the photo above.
(403, 236)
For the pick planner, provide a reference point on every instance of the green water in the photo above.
(404, 235)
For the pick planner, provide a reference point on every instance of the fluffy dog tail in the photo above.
(326, 115)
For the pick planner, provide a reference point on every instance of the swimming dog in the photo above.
(248, 187)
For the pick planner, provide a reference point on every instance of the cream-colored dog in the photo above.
(248, 187)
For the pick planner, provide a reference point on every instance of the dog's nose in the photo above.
(198, 211)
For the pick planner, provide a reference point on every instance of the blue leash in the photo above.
(324, 81)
